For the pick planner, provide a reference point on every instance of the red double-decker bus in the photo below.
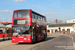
(28, 26)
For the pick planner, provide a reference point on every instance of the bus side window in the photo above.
(38, 17)
(33, 15)
(45, 30)
(39, 30)
(36, 30)
(41, 17)
(45, 19)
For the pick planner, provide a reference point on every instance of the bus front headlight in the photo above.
(25, 38)
(28, 39)
(13, 39)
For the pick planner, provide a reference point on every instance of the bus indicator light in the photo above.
(33, 27)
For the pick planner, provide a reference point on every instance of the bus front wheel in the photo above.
(44, 38)
(36, 39)
(3, 37)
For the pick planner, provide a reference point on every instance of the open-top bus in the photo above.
(28, 26)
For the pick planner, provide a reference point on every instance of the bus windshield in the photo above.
(21, 30)
(22, 14)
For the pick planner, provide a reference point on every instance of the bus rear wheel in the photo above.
(3, 37)
(44, 38)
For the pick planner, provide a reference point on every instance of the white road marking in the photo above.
(73, 42)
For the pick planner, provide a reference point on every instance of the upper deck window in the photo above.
(36, 16)
(39, 17)
(22, 14)
(33, 15)
(44, 19)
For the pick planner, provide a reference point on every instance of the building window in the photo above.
(68, 30)
(63, 29)
(55, 30)
(51, 30)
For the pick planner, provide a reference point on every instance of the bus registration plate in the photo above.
(20, 41)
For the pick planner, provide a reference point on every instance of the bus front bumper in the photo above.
(21, 39)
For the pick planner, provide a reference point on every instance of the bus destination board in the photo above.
(20, 21)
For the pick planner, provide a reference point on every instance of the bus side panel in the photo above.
(38, 36)
(1, 35)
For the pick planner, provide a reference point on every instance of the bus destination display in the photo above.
(20, 21)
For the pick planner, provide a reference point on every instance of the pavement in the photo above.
(53, 42)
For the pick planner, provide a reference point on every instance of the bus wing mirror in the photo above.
(32, 27)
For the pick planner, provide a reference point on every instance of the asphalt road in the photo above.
(63, 42)
(53, 42)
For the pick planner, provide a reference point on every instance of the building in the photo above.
(71, 21)
(55, 21)
(62, 28)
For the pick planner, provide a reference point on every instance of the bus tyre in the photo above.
(44, 37)
(46, 34)
(33, 42)
(8, 36)
(3, 37)
(36, 39)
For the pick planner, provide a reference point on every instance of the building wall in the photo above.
(71, 21)
(61, 28)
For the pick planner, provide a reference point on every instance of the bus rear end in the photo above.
(21, 24)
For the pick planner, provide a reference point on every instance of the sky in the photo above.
(52, 9)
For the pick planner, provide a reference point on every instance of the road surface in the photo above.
(63, 42)
(53, 42)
